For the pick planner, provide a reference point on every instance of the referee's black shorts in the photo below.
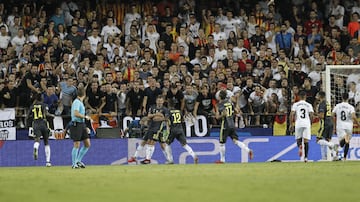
(78, 131)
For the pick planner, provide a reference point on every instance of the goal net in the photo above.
(340, 79)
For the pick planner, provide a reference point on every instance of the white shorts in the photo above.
(303, 132)
(341, 133)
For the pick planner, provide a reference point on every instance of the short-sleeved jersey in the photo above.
(324, 107)
(302, 111)
(155, 125)
(38, 111)
(228, 120)
(79, 106)
(343, 113)
(175, 119)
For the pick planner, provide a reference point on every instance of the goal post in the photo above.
(336, 81)
(337, 78)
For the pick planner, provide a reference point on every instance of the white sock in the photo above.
(149, 151)
(138, 149)
(189, 150)
(168, 151)
(323, 152)
(326, 143)
(222, 152)
(165, 154)
(47, 153)
(36, 145)
(242, 145)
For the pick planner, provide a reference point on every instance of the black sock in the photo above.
(346, 150)
(306, 145)
(342, 142)
(299, 141)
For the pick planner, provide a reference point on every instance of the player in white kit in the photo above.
(345, 118)
(302, 113)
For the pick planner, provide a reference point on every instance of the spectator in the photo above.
(28, 85)
(121, 100)
(4, 39)
(129, 18)
(150, 95)
(74, 37)
(257, 104)
(283, 40)
(110, 105)
(18, 41)
(94, 98)
(51, 99)
(354, 25)
(68, 93)
(134, 99)
(58, 18)
(338, 11)
(109, 29)
(313, 21)
(258, 38)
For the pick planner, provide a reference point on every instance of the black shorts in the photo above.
(179, 134)
(325, 131)
(78, 131)
(156, 135)
(41, 129)
(228, 132)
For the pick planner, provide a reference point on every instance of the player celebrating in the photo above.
(177, 131)
(345, 117)
(326, 126)
(225, 112)
(302, 113)
(38, 113)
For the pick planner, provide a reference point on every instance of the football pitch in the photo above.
(296, 181)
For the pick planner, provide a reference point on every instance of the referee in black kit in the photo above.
(78, 130)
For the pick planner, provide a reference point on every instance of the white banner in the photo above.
(7, 124)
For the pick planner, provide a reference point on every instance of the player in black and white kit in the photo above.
(156, 116)
(345, 119)
(38, 113)
(325, 131)
(177, 131)
(225, 112)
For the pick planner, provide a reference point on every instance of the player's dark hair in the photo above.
(222, 94)
(322, 94)
(160, 97)
(302, 94)
(38, 97)
(345, 96)
(81, 91)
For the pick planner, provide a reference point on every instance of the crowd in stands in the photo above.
(263, 52)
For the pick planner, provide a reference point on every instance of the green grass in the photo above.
(319, 181)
